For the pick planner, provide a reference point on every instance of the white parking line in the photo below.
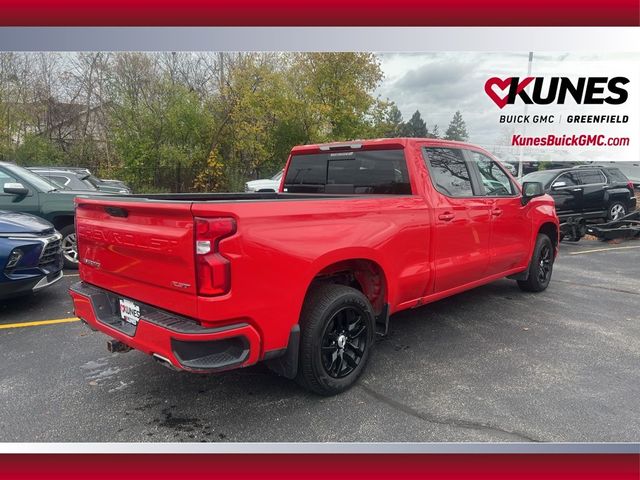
(604, 250)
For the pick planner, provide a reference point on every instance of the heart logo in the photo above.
(503, 85)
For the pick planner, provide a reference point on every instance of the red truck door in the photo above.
(462, 221)
(510, 229)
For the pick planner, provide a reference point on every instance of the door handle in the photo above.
(496, 212)
(576, 189)
(447, 216)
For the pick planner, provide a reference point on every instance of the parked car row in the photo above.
(30, 254)
(80, 179)
(594, 192)
(586, 194)
(37, 229)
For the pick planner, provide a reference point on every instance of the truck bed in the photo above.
(240, 196)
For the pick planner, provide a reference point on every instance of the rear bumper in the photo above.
(179, 340)
(17, 288)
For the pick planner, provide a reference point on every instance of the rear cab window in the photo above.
(382, 172)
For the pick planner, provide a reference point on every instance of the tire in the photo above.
(69, 247)
(540, 267)
(337, 329)
(577, 233)
(616, 211)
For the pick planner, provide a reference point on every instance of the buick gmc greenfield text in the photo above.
(303, 278)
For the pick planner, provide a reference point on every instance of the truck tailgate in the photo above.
(138, 249)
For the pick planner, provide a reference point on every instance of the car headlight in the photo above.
(14, 258)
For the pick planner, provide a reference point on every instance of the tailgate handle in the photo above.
(116, 212)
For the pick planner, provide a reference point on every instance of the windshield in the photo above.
(34, 179)
(277, 176)
(543, 176)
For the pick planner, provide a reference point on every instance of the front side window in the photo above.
(449, 171)
(6, 178)
(40, 183)
(495, 181)
(568, 179)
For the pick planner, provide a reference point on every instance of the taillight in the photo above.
(213, 269)
(630, 185)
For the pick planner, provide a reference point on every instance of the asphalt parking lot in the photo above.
(492, 364)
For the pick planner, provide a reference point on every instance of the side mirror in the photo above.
(559, 185)
(15, 189)
(531, 190)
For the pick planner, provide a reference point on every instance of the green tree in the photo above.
(36, 150)
(334, 93)
(457, 129)
(161, 136)
(416, 126)
(392, 123)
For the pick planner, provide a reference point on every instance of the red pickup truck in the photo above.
(305, 277)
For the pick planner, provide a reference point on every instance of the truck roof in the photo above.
(377, 143)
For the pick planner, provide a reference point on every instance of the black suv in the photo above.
(588, 191)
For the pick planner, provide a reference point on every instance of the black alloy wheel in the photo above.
(337, 330)
(344, 342)
(545, 264)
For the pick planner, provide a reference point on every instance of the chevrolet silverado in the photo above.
(303, 278)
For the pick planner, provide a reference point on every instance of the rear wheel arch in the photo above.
(363, 274)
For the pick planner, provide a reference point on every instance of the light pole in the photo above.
(520, 166)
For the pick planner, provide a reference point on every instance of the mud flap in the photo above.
(285, 362)
(382, 321)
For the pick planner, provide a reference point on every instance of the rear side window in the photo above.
(616, 175)
(589, 177)
(64, 181)
(359, 172)
(449, 171)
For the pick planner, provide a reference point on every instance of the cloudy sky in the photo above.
(440, 83)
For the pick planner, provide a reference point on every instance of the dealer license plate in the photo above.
(129, 311)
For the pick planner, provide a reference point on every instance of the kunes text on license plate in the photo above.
(129, 311)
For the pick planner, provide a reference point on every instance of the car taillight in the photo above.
(212, 268)
(630, 185)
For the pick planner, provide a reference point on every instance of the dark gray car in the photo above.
(78, 179)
